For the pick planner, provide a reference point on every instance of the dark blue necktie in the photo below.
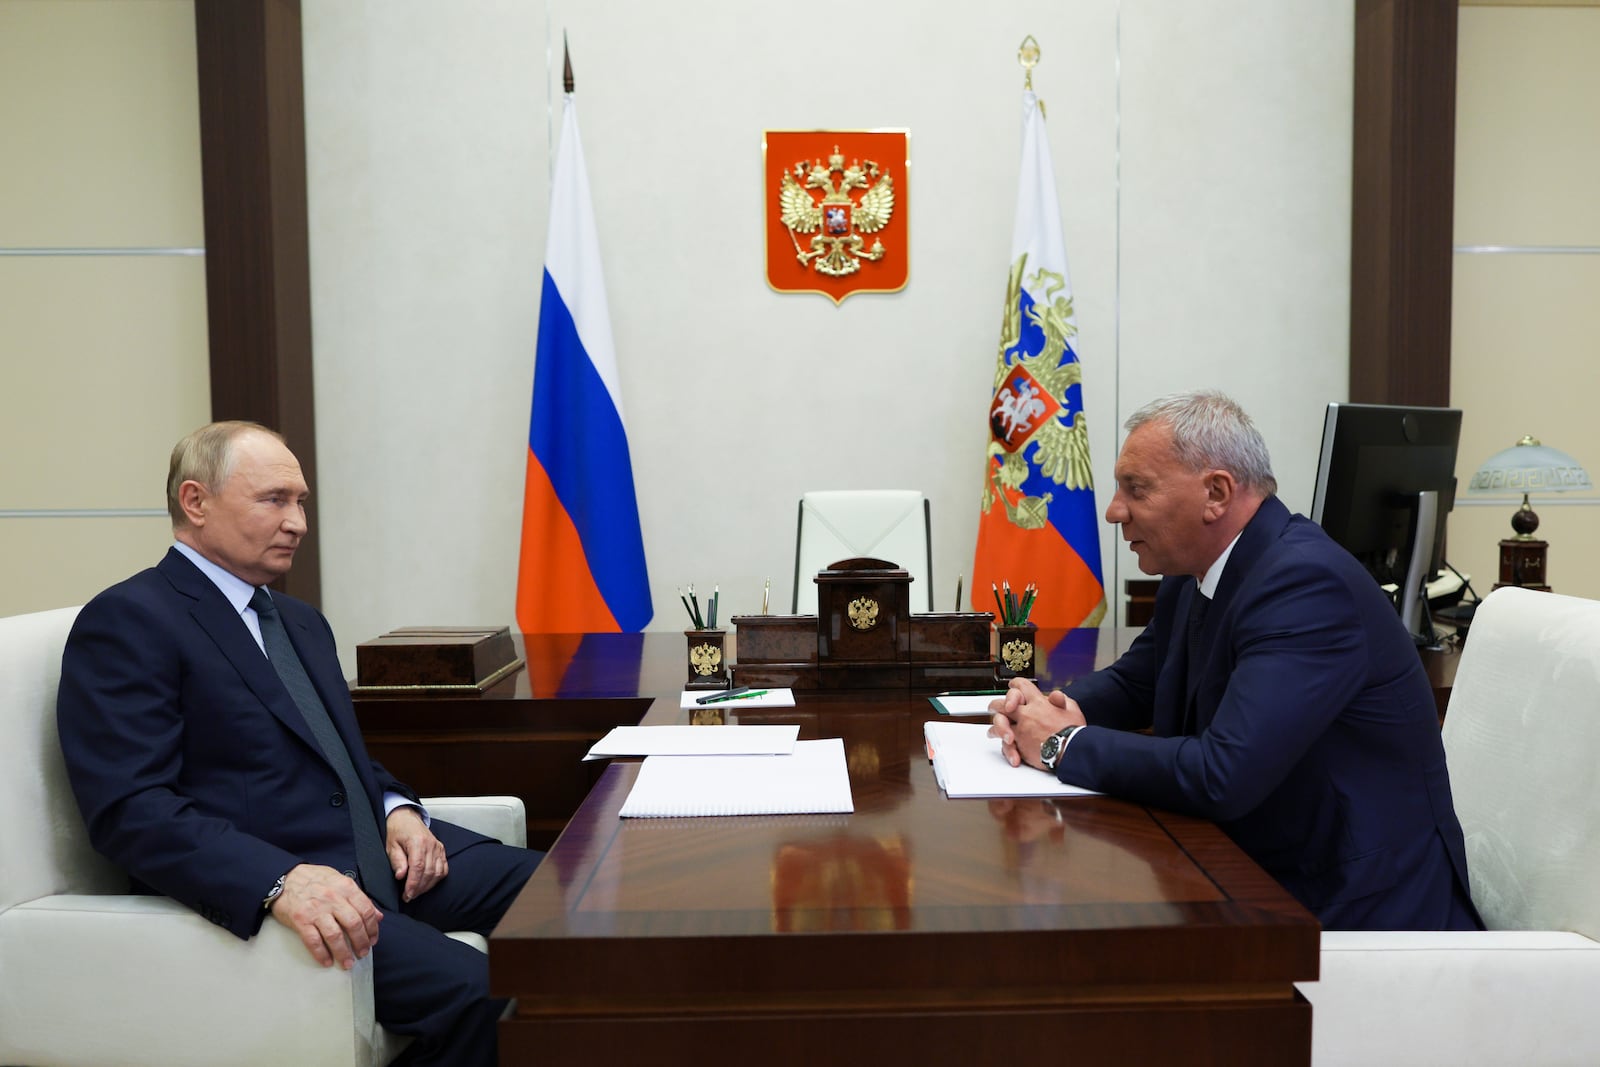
(1198, 605)
(377, 877)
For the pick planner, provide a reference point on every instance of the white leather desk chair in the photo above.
(889, 524)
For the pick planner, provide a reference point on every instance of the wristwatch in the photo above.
(274, 893)
(1054, 745)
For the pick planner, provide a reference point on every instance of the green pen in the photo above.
(731, 696)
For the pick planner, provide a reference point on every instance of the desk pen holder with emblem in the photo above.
(707, 659)
(1014, 650)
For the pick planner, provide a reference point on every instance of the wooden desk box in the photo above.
(445, 658)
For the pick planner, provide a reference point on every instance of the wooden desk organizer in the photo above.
(442, 659)
(864, 637)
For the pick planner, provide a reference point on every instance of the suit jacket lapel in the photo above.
(1263, 529)
(211, 610)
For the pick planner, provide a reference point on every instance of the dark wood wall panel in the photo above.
(1403, 201)
(258, 288)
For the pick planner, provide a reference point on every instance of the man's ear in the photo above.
(192, 498)
(1220, 493)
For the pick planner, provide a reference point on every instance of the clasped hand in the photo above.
(1025, 716)
(327, 910)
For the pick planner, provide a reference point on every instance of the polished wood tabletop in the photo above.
(918, 929)
(527, 734)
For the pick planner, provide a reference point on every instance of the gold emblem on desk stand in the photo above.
(863, 613)
(705, 659)
(1017, 655)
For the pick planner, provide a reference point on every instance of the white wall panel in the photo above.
(429, 130)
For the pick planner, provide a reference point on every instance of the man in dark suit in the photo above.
(214, 752)
(1283, 697)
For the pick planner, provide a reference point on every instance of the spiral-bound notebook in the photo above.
(812, 778)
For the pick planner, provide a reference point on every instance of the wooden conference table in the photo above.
(918, 930)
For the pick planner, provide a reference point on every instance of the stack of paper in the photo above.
(681, 740)
(967, 763)
(812, 778)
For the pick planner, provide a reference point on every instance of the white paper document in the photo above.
(964, 703)
(753, 698)
(967, 763)
(812, 778)
(683, 740)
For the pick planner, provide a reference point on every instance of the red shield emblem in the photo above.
(838, 207)
(1020, 406)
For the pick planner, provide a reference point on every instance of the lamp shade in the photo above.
(1529, 467)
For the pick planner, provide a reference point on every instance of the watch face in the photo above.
(1049, 750)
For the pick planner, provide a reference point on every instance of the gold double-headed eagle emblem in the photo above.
(863, 613)
(838, 206)
(705, 659)
(842, 219)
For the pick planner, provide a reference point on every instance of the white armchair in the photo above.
(92, 976)
(1522, 739)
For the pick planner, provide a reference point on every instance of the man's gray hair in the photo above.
(1211, 432)
(205, 456)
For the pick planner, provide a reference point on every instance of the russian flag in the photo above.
(582, 566)
(1039, 522)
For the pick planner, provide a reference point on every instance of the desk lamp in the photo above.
(1527, 467)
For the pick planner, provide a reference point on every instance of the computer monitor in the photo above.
(1386, 480)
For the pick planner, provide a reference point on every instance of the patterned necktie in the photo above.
(377, 877)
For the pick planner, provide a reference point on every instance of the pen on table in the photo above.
(721, 697)
(972, 693)
(722, 694)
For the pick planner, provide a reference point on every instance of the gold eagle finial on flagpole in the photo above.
(1028, 58)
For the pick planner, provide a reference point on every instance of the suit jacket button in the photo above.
(337, 800)
(351, 875)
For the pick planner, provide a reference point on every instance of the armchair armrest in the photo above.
(141, 980)
(1476, 997)
(503, 818)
